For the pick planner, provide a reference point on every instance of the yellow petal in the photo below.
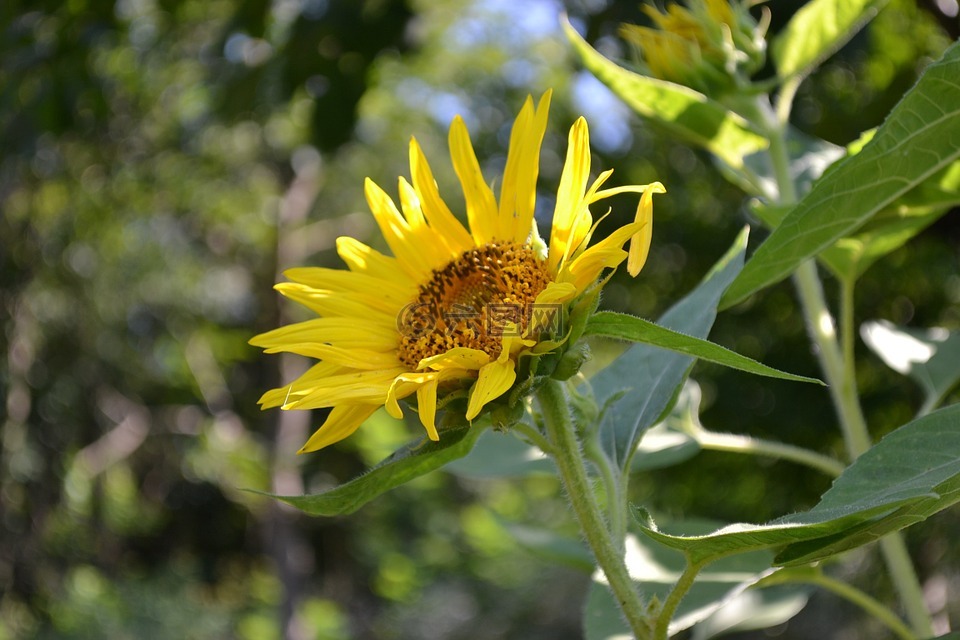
(329, 303)
(586, 268)
(341, 423)
(355, 387)
(299, 387)
(427, 406)
(347, 333)
(494, 380)
(430, 244)
(363, 359)
(401, 387)
(456, 358)
(557, 292)
(425, 384)
(518, 192)
(435, 210)
(362, 259)
(481, 205)
(353, 282)
(396, 231)
(573, 182)
(640, 242)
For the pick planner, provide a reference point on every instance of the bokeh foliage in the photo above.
(162, 160)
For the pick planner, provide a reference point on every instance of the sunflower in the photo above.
(701, 46)
(453, 308)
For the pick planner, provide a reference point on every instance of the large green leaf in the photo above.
(894, 225)
(502, 455)
(637, 388)
(931, 357)
(625, 327)
(721, 592)
(849, 257)
(920, 137)
(906, 477)
(412, 461)
(816, 31)
(684, 112)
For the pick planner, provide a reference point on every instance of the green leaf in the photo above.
(896, 224)
(680, 110)
(412, 461)
(906, 477)
(721, 591)
(637, 388)
(849, 257)
(550, 545)
(928, 356)
(662, 447)
(624, 327)
(501, 455)
(920, 137)
(816, 31)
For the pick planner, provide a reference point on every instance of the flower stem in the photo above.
(842, 383)
(838, 368)
(573, 474)
(876, 609)
(616, 499)
(744, 444)
(686, 580)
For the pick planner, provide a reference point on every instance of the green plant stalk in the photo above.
(686, 580)
(841, 379)
(573, 473)
(533, 436)
(849, 593)
(842, 384)
(744, 444)
(616, 493)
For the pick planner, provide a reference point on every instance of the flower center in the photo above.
(472, 301)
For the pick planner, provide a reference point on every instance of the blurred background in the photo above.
(162, 161)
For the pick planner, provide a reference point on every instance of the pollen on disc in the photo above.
(469, 302)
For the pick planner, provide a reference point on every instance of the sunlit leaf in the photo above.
(662, 447)
(906, 477)
(754, 608)
(931, 357)
(680, 110)
(919, 138)
(816, 31)
(412, 461)
(637, 388)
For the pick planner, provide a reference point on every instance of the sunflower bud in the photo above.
(709, 45)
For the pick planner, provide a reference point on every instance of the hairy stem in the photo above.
(686, 580)
(838, 367)
(616, 498)
(573, 474)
